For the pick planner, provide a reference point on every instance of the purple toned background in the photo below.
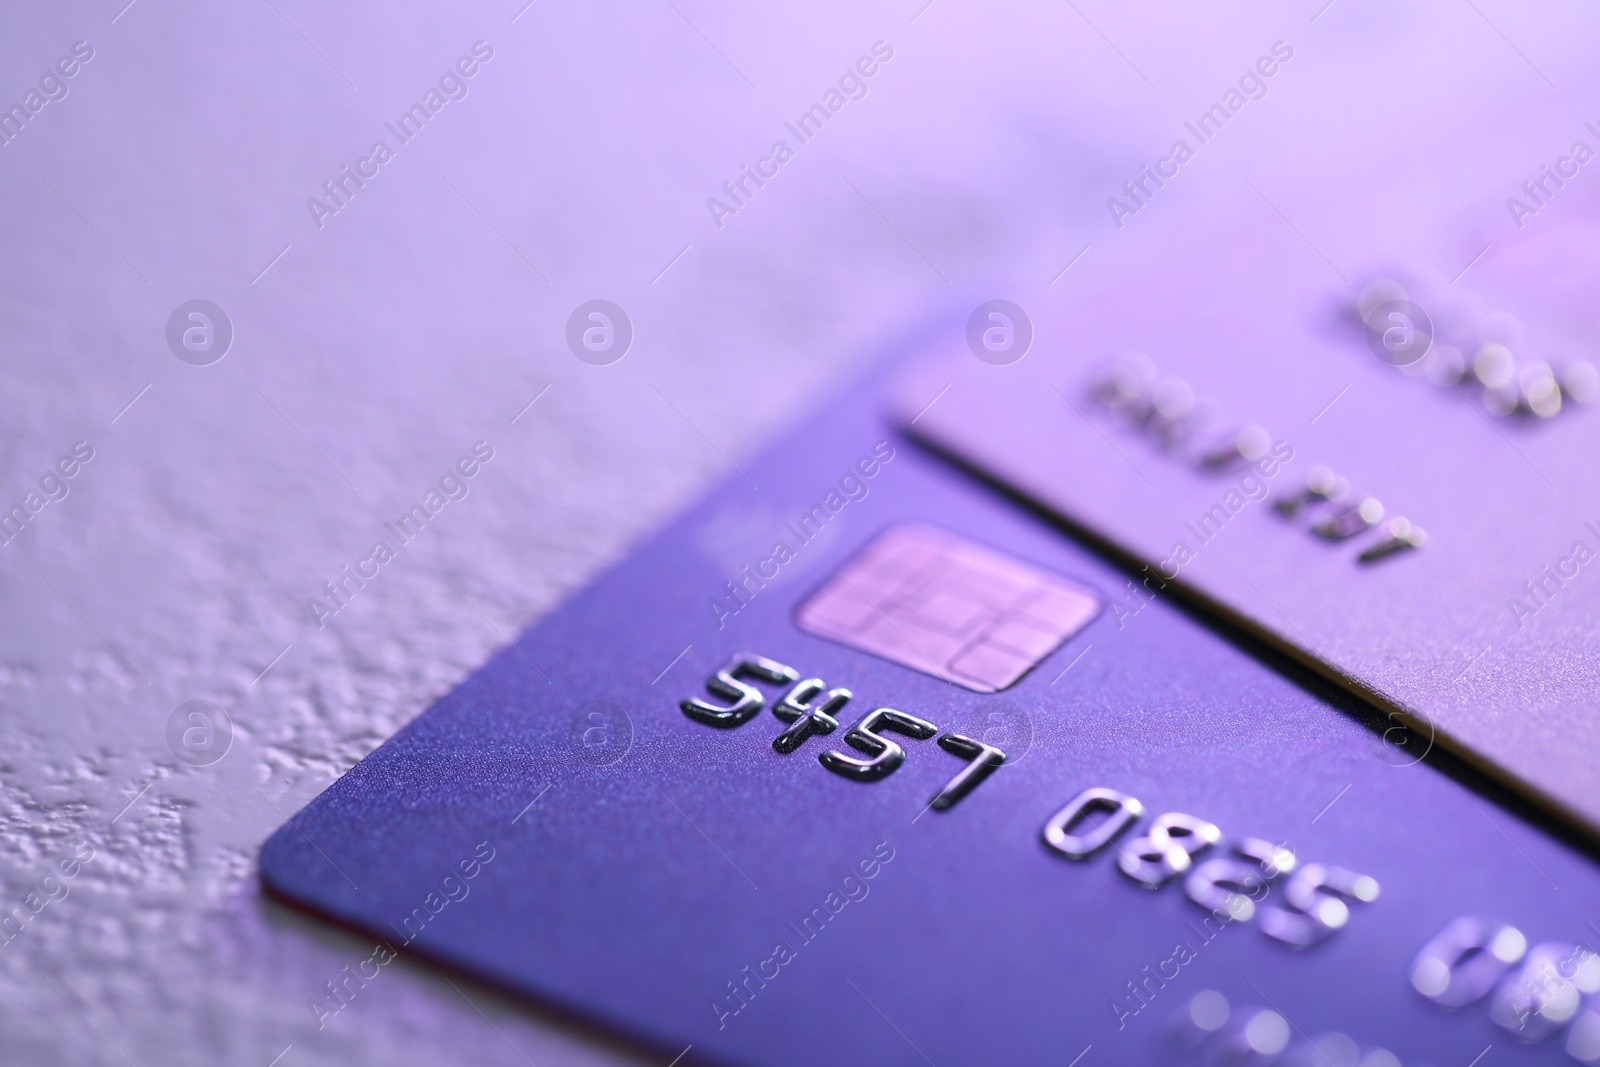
(370, 353)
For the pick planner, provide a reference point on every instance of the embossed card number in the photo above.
(811, 709)
(1315, 896)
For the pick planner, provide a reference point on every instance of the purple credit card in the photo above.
(919, 786)
(1391, 495)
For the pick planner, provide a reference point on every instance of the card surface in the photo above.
(719, 802)
(1421, 533)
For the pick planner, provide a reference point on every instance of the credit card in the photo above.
(1417, 522)
(862, 767)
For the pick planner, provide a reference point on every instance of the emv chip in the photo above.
(940, 604)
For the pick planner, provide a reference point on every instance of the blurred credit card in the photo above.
(875, 765)
(1393, 480)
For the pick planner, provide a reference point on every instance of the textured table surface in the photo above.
(375, 344)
